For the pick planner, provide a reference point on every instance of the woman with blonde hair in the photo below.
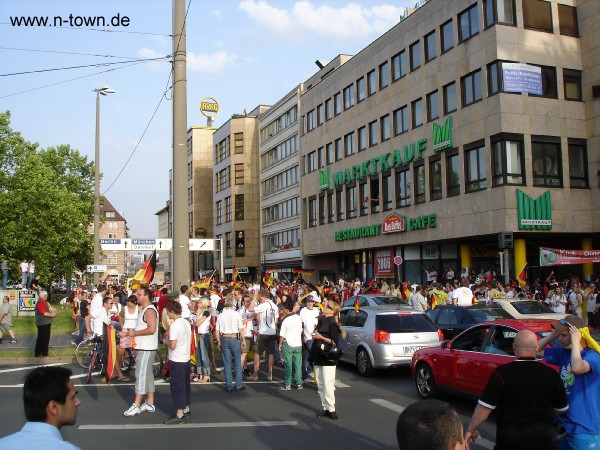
(325, 337)
(558, 302)
(204, 341)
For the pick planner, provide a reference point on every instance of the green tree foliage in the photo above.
(46, 204)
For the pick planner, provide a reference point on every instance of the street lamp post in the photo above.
(101, 91)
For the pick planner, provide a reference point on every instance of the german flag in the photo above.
(304, 272)
(146, 273)
(235, 274)
(268, 278)
(193, 346)
(522, 277)
(109, 350)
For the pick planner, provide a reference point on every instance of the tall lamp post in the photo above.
(101, 91)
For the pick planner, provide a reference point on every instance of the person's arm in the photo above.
(480, 415)
(579, 366)
(542, 343)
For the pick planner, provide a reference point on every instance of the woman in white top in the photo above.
(202, 356)
(558, 301)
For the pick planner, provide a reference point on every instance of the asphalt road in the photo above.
(261, 417)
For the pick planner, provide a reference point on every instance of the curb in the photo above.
(37, 361)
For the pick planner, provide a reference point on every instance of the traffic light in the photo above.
(505, 240)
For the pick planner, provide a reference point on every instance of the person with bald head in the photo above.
(526, 395)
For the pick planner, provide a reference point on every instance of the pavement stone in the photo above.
(28, 342)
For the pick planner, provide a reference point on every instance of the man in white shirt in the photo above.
(248, 322)
(267, 314)
(290, 344)
(230, 332)
(178, 342)
(417, 301)
(184, 301)
(309, 317)
(95, 305)
(463, 295)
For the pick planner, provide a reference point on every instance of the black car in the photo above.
(454, 319)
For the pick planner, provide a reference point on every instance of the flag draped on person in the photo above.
(146, 273)
(522, 277)
(193, 346)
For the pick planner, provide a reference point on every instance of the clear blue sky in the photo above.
(243, 53)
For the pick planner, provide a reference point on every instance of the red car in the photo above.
(464, 365)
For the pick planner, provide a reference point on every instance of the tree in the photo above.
(46, 204)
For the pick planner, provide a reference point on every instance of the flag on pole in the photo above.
(193, 346)
(109, 350)
(356, 305)
(146, 273)
(268, 278)
(304, 272)
(235, 274)
(206, 282)
(522, 277)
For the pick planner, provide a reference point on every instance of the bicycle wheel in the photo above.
(128, 360)
(83, 353)
(91, 368)
(157, 365)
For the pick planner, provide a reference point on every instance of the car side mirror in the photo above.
(445, 344)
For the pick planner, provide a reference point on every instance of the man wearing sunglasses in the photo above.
(579, 368)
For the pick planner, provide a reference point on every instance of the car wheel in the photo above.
(425, 382)
(363, 363)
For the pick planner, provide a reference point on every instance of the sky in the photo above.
(242, 53)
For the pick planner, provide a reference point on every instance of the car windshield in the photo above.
(488, 313)
(382, 301)
(531, 308)
(404, 323)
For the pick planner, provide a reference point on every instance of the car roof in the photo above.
(524, 324)
(384, 308)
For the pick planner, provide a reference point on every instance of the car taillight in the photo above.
(382, 337)
(440, 334)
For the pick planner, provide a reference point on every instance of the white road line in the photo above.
(339, 384)
(482, 442)
(153, 426)
(31, 367)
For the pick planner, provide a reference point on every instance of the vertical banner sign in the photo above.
(521, 78)
(534, 214)
(384, 263)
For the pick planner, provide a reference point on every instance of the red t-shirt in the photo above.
(42, 306)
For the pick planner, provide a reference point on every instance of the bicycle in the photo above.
(129, 356)
(88, 354)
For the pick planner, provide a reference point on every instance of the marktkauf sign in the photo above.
(392, 224)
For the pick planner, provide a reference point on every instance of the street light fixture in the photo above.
(101, 91)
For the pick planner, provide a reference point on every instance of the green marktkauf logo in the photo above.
(324, 179)
(442, 136)
(534, 214)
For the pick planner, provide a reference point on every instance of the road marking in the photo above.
(339, 384)
(31, 367)
(153, 426)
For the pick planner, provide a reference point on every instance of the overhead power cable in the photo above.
(101, 30)
(67, 53)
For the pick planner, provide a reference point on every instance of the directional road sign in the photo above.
(158, 244)
(203, 245)
(115, 244)
(96, 268)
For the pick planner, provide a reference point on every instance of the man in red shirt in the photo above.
(44, 313)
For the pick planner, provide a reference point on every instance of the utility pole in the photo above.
(181, 260)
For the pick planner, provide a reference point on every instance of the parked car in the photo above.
(374, 300)
(454, 319)
(464, 365)
(526, 309)
(385, 336)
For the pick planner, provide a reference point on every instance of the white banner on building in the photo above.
(521, 78)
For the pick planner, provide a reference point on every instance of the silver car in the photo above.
(374, 300)
(384, 337)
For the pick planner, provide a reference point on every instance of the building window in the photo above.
(219, 206)
(401, 120)
(339, 151)
(330, 154)
(508, 160)
(447, 35)
(239, 174)
(572, 82)
(373, 133)
(110, 214)
(320, 114)
(417, 113)
(494, 72)
(450, 98)
(112, 225)
(468, 23)
(322, 209)
(399, 65)
(349, 144)
(537, 15)
(362, 139)
(328, 109)
(330, 207)
(222, 150)
(578, 165)
(360, 89)
(311, 122)
(228, 245)
(499, 11)
(349, 97)
(311, 162)
(472, 88)
(546, 161)
(452, 174)
(402, 188)
(384, 75)
(385, 128)
(475, 167)
(415, 56)
(238, 139)
(227, 209)
(351, 202)
(567, 20)
(339, 204)
(223, 180)
(419, 182)
(430, 46)
(321, 157)
(435, 178)
(374, 194)
(312, 212)
(549, 89)
(386, 186)
(433, 106)
(371, 82)
(239, 207)
(364, 198)
(337, 98)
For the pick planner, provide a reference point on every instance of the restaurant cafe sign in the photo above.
(442, 140)
(393, 223)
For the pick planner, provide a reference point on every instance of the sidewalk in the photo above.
(28, 342)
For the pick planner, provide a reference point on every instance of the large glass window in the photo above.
(384, 75)
(401, 120)
(433, 106)
(328, 109)
(415, 56)
(320, 114)
(339, 150)
(508, 160)
(339, 203)
(386, 185)
(499, 11)
(494, 77)
(475, 167)
(468, 23)
(452, 174)
(362, 139)
(351, 202)
(239, 174)
(447, 35)
(349, 144)
(227, 209)
(219, 207)
(364, 198)
(349, 96)
(549, 89)
(567, 20)
(361, 92)
(399, 65)
(312, 212)
(322, 209)
(578, 164)
(330, 207)
(402, 183)
(417, 113)
(572, 83)
(373, 133)
(430, 46)
(537, 14)
(374, 194)
(450, 98)
(472, 88)
(239, 207)
(311, 120)
(329, 153)
(435, 178)
(546, 161)
(419, 182)
(372, 82)
(337, 99)
(385, 128)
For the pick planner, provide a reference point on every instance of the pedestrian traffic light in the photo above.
(505, 240)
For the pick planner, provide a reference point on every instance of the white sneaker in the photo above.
(147, 408)
(133, 410)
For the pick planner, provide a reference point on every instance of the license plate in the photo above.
(411, 350)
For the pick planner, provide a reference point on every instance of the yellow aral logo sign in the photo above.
(209, 107)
